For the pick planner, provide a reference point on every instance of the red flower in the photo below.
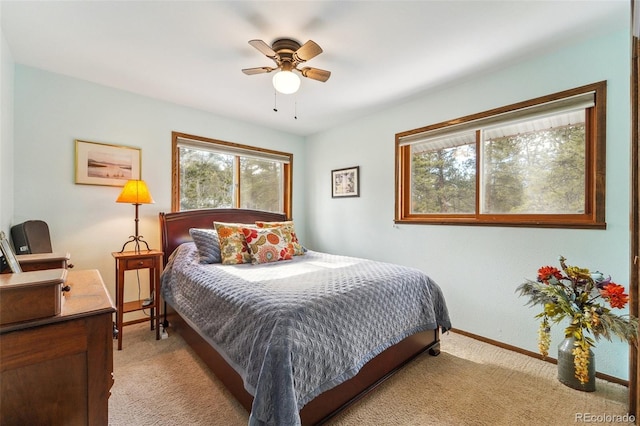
(615, 294)
(286, 254)
(249, 234)
(546, 272)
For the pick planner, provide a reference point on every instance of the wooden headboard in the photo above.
(174, 227)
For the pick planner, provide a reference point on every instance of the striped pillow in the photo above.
(207, 244)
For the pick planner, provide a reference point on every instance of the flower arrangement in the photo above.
(579, 295)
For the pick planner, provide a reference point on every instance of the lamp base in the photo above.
(137, 239)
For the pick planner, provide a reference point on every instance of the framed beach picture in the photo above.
(345, 182)
(105, 164)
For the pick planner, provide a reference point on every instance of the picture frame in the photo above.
(9, 255)
(106, 164)
(345, 182)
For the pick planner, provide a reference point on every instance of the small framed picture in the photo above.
(8, 254)
(104, 164)
(345, 182)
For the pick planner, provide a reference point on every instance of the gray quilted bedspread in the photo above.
(297, 328)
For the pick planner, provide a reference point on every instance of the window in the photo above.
(208, 173)
(536, 163)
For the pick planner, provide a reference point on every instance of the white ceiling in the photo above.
(379, 52)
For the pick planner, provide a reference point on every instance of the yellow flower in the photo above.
(544, 339)
(595, 318)
(581, 361)
(579, 273)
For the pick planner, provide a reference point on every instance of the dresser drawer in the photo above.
(40, 261)
(140, 263)
(32, 295)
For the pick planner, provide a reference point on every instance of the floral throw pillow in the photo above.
(267, 245)
(233, 246)
(288, 232)
(207, 244)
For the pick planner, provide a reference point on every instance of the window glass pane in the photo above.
(443, 178)
(206, 179)
(535, 167)
(261, 184)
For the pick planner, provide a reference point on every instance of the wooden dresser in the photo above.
(59, 370)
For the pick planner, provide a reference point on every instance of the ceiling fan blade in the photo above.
(316, 74)
(257, 70)
(307, 51)
(264, 48)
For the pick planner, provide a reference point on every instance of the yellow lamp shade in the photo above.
(135, 192)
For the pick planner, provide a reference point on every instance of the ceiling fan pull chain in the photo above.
(295, 109)
(275, 101)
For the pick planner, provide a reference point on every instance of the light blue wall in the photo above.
(51, 111)
(479, 267)
(6, 134)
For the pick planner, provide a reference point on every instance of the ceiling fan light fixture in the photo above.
(286, 82)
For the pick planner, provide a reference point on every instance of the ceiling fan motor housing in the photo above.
(285, 48)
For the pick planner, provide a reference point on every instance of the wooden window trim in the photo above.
(595, 184)
(175, 169)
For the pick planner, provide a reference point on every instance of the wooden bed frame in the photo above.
(174, 230)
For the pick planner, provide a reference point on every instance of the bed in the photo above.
(316, 350)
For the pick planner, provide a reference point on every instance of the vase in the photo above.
(566, 367)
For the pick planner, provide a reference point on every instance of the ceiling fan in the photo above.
(288, 54)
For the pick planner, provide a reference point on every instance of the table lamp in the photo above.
(135, 192)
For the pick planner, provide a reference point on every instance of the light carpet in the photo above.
(471, 383)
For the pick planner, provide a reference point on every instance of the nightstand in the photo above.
(132, 260)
